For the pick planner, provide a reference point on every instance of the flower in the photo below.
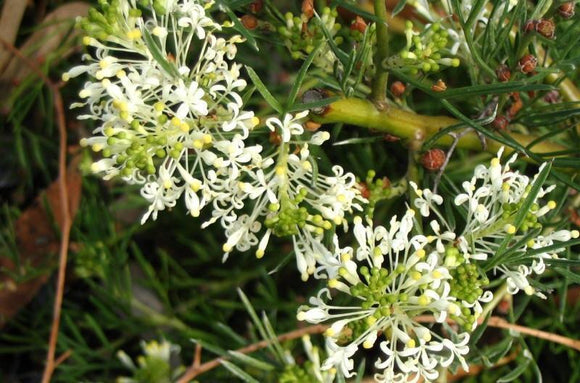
(394, 276)
(286, 199)
(165, 97)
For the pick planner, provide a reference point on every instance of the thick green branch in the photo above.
(379, 92)
(410, 126)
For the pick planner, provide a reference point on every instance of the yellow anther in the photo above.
(552, 205)
(341, 198)
(437, 274)
(495, 162)
(184, 127)
(345, 257)
(421, 253)
(207, 138)
(510, 229)
(411, 343)
(280, 170)
(134, 34)
(198, 144)
(175, 121)
(332, 283)
(97, 147)
(415, 275)
(259, 253)
(423, 300)
(329, 332)
(167, 184)
(195, 185)
(121, 74)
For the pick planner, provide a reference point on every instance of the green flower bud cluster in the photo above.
(135, 149)
(375, 190)
(302, 34)
(530, 220)
(111, 21)
(352, 331)
(374, 291)
(296, 374)
(426, 52)
(288, 217)
(466, 285)
(466, 282)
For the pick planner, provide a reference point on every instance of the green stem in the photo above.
(409, 126)
(499, 294)
(379, 91)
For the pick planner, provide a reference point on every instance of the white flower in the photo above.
(393, 281)
(289, 126)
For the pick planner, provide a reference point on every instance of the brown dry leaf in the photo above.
(52, 40)
(12, 12)
(38, 243)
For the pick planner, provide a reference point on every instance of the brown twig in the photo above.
(64, 242)
(65, 208)
(195, 370)
(499, 322)
(64, 356)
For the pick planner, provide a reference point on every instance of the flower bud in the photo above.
(546, 28)
(397, 88)
(250, 22)
(433, 159)
(529, 26)
(503, 73)
(256, 6)
(439, 86)
(308, 8)
(500, 123)
(566, 10)
(358, 24)
(527, 63)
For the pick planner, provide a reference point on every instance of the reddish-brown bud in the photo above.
(358, 24)
(397, 88)
(500, 123)
(433, 159)
(439, 86)
(529, 26)
(275, 138)
(566, 10)
(308, 8)
(546, 28)
(527, 64)
(552, 97)
(503, 73)
(256, 6)
(364, 190)
(250, 22)
(311, 126)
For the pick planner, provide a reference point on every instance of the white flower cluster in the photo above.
(165, 95)
(156, 362)
(399, 276)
